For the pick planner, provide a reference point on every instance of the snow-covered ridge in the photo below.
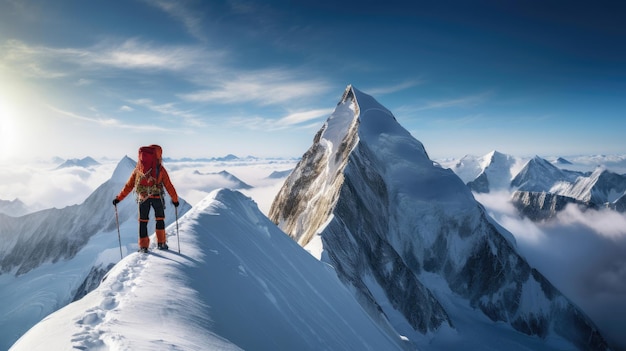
(239, 283)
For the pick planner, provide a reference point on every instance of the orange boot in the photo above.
(161, 244)
(144, 243)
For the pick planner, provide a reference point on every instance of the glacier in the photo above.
(407, 237)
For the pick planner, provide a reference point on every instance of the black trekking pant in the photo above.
(144, 215)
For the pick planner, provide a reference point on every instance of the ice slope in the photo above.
(50, 257)
(409, 239)
(238, 283)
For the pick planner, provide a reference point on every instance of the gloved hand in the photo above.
(116, 201)
(175, 203)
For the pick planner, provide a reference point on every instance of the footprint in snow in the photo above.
(90, 336)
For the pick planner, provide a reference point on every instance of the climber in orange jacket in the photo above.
(148, 180)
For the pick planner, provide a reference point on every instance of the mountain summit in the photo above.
(407, 237)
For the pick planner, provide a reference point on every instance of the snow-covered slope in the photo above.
(49, 258)
(540, 175)
(409, 239)
(239, 283)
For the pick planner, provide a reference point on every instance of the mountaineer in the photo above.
(148, 180)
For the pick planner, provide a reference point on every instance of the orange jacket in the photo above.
(163, 178)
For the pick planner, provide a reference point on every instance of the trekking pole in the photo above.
(177, 235)
(117, 220)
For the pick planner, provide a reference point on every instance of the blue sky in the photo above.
(208, 78)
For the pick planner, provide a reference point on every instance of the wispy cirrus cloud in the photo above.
(464, 101)
(266, 87)
(110, 122)
(216, 81)
(305, 116)
(30, 61)
(383, 90)
(130, 54)
(189, 18)
(170, 109)
(302, 119)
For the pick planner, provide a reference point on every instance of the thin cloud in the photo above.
(394, 88)
(170, 109)
(109, 122)
(272, 86)
(134, 54)
(465, 101)
(294, 120)
(189, 18)
(301, 117)
(131, 54)
(29, 60)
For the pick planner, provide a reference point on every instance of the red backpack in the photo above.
(148, 168)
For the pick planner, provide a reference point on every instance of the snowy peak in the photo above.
(240, 283)
(562, 161)
(468, 168)
(538, 175)
(409, 239)
(228, 180)
(497, 172)
(491, 172)
(123, 170)
(75, 162)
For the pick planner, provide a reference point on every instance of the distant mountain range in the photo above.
(75, 162)
(540, 188)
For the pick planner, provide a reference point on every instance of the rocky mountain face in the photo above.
(407, 237)
(539, 206)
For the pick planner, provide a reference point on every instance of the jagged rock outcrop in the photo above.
(407, 236)
(539, 206)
